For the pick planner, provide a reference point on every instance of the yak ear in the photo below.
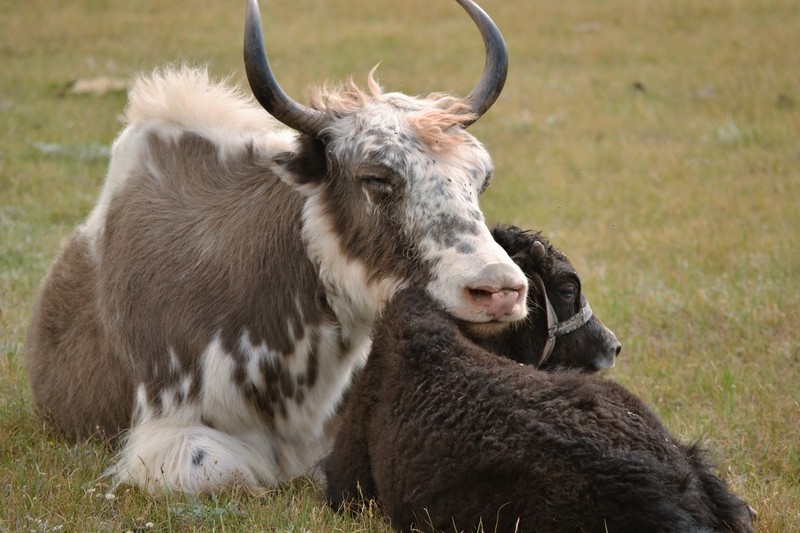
(538, 250)
(305, 166)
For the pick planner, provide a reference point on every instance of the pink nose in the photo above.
(497, 303)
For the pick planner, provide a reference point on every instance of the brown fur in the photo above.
(100, 398)
(148, 268)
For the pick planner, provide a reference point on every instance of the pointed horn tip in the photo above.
(495, 69)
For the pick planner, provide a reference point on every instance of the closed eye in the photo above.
(376, 184)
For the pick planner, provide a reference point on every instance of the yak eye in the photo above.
(568, 291)
(377, 184)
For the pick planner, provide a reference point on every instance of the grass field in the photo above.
(656, 143)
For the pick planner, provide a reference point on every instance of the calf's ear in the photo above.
(305, 166)
(538, 249)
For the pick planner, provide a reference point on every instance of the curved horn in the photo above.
(266, 88)
(495, 68)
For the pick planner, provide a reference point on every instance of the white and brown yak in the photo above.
(214, 305)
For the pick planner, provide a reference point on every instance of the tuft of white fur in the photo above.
(187, 97)
(158, 456)
(173, 100)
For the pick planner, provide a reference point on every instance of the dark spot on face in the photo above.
(447, 229)
(465, 248)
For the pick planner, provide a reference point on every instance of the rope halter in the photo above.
(554, 327)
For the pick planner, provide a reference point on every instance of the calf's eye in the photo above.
(568, 292)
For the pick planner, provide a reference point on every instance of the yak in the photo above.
(447, 435)
(212, 308)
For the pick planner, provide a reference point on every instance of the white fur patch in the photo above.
(126, 155)
(165, 454)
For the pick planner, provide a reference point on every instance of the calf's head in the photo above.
(392, 184)
(561, 330)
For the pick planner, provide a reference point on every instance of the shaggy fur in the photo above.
(446, 435)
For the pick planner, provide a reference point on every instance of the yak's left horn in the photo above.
(266, 88)
(495, 69)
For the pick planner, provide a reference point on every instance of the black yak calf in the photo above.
(557, 308)
(446, 435)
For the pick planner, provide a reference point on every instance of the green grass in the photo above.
(656, 143)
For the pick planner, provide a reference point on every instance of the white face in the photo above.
(429, 185)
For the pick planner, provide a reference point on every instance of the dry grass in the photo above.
(656, 143)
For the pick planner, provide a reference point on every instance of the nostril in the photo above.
(617, 350)
(481, 295)
(496, 303)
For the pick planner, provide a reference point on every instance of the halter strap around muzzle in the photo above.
(554, 327)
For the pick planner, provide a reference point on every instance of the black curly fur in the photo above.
(446, 435)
